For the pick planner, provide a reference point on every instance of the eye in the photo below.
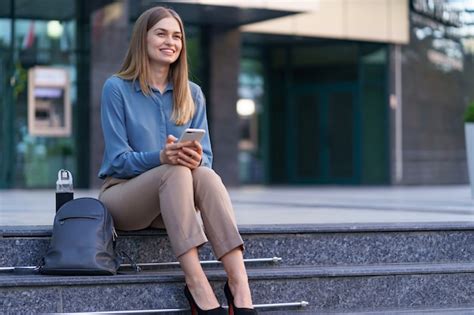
(177, 37)
(160, 34)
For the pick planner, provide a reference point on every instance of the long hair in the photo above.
(136, 65)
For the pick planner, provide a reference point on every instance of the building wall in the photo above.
(109, 42)
(436, 85)
(368, 20)
(223, 121)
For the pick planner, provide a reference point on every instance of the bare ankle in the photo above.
(195, 281)
(238, 281)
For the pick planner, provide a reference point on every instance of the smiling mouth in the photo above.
(167, 51)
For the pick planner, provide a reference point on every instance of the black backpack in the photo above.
(83, 241)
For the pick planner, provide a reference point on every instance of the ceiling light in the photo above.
(54, 29)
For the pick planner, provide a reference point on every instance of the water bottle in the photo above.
(64, 191)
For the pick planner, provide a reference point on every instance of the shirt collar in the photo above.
(169, 87)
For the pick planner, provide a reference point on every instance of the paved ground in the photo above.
(289, 205)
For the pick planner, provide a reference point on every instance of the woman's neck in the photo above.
(159, 77)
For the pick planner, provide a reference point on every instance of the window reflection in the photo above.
(249, 108)
(44, 35)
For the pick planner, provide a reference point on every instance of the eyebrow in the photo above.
(165, 30)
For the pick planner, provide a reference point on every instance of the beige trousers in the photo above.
(170, 195)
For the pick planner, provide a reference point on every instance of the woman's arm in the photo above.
(123, 161)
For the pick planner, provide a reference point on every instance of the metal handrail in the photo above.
(172, 310)
(3, 269)
(163, 264)
(206, 262)
(273, 305)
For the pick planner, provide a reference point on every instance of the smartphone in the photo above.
(192, 134)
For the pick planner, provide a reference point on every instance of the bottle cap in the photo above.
(64, 182)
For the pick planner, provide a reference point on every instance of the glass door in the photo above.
(324, 135)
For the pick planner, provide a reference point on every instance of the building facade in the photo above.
(299, 92)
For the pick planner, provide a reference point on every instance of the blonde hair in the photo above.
(136, 63)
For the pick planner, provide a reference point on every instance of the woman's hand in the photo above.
(169, 155)
(190, 154)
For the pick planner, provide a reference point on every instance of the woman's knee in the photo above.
(176, 173)
(206, 176)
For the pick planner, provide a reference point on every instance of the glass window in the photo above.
(44, 35)
(5, 33)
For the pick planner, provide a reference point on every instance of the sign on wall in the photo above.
(49, 105)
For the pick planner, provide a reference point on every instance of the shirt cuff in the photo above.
(153, 159)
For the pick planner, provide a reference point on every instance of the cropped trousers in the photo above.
(169, 196)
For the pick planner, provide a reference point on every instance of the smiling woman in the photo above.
(162, 32)
(145, 107)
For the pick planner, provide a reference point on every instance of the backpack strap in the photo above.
(39, 264)
(134, 265)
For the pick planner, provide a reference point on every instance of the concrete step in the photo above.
(425, 311)
(327, 289)
(317, 245)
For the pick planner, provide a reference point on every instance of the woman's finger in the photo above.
(197, 155)
(186, 143)
(171, 139)
(190, 158)
(172, 146)
(171, 152)
(187, 164)
(189, 151)
(198, 145)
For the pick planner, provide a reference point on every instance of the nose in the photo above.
(168, 40)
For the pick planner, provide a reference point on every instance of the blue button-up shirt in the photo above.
(135, 127)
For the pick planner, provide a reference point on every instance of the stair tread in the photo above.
(45, 230)
(296, 245)
(424, 311)
(427, 311)
(217, 273)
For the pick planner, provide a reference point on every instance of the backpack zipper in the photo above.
(114, 234)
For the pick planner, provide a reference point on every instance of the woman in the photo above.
(150, 179)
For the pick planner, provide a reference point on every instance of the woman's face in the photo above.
(164, 42)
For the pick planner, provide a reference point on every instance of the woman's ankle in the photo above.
(238, 281)
(196, 281)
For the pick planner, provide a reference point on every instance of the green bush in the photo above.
(469, 113)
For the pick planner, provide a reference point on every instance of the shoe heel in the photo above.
(234, 310)
(195, 310)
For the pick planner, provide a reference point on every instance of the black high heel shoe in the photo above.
(233, 310)
(195, 310)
